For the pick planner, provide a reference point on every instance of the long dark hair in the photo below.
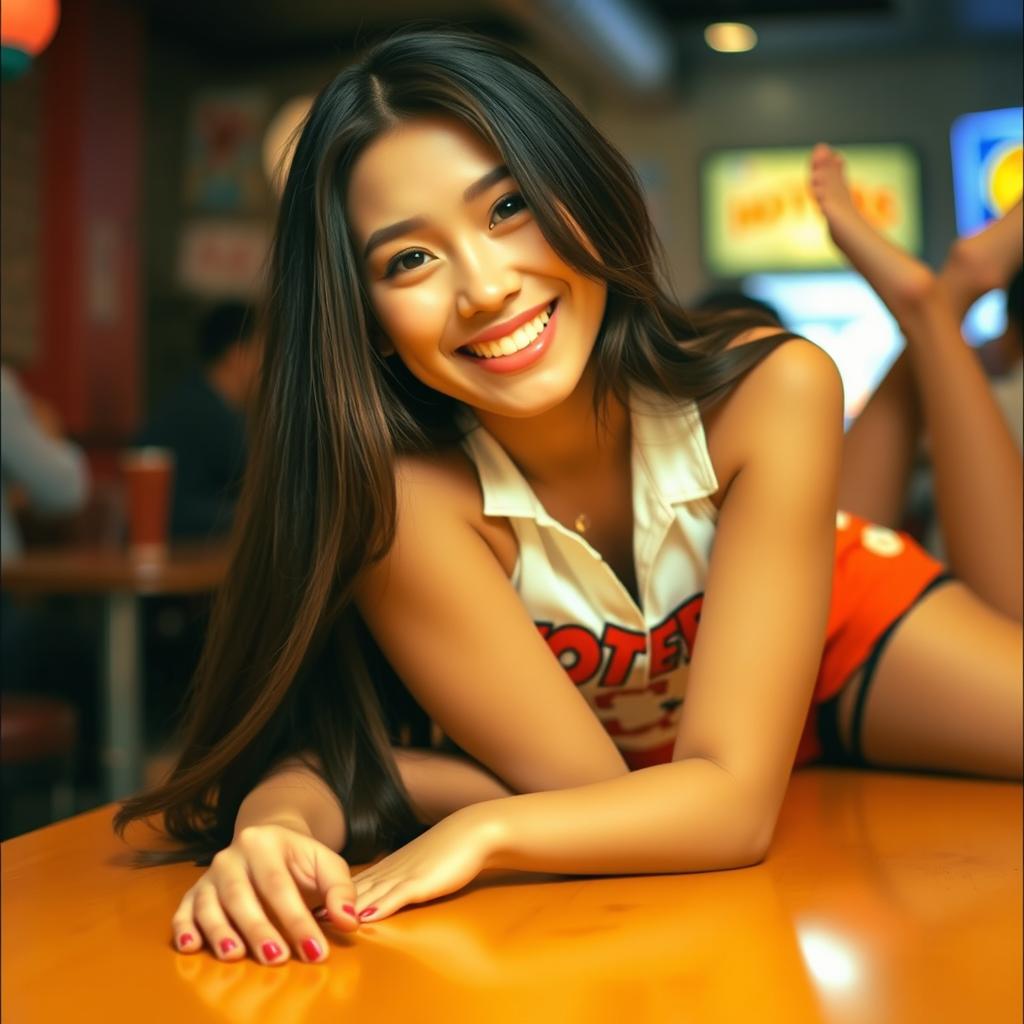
(288, 667)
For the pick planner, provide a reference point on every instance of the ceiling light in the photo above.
(730, 37)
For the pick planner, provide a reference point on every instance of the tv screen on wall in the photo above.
(758, 216)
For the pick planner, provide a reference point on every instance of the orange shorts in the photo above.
(878, 577)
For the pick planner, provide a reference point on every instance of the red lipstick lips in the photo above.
(500, 330)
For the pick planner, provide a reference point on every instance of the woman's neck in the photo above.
(568, 443)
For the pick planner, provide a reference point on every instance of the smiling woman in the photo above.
(479, 254)
(470, 361)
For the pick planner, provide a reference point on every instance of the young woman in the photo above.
(493, 455)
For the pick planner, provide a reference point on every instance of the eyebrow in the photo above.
(396, 230)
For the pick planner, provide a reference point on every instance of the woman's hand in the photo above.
(267, 868)
(441, 861)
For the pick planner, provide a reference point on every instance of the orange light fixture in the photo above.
(26, 29)
(730, 37)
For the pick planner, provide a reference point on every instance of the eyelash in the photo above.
(393, 264)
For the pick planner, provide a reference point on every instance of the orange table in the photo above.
(112, 575)
(886, 899)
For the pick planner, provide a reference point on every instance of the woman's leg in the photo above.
(947, 691)
(880, 447)
(979, 478)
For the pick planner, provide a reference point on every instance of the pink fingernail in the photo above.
(349, 909)
(320, 913)
(271, 950)
(185, 939)
(312, 949)
(368, 912)
(226, 945)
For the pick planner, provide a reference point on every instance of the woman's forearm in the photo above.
(296, 797)
(440, 784)
(685, 816)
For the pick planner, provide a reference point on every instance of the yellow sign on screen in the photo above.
(759, 215)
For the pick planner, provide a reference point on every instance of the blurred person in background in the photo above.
(41, 470)
(203, 423)
(46, 647)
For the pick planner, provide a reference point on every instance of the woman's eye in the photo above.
(411, 259)
(507, 207)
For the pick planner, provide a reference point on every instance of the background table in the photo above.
(885, 899)
(112, 575)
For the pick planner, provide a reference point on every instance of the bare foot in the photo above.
(900, 280)
(978, 263)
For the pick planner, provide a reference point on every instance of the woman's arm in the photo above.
(754, 665)
(296, 797)
(751, 677)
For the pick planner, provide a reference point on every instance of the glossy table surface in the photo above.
(189, 568)
(885, 898)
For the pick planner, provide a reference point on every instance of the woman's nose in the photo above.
(487, 280)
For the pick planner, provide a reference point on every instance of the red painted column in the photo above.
(89, 348)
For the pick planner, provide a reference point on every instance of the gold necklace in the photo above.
(582, 523)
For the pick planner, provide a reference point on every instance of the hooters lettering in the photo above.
(582, 645)
(665, 650)
(625, 645)
(671, 643)
(688, 617)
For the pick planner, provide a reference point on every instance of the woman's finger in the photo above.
(242, 905)
(389, 897)
(220, 936)
(334, 881)
(279, 892)
(184, 930)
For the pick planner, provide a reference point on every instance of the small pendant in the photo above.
(582, 523)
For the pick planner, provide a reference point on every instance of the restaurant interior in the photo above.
(144, 145)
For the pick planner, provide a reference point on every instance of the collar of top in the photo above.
(668, 445)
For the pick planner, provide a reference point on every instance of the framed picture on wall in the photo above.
(757, 213)
(223, 162)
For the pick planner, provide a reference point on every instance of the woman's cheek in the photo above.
(414, 321)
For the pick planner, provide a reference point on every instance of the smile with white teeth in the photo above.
(514, 342)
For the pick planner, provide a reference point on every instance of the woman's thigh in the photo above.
(946, 694)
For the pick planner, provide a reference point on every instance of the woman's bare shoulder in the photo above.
(798, 371)
(446, 481)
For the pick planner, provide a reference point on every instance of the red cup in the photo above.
(148, 474)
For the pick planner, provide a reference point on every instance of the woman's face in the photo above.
(468, 292)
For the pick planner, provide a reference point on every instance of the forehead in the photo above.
(412, 169)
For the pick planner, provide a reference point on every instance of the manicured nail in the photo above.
(312, 949)
(349, 909)
(271, 950)
(226, 945)
(185, 939)
(368, 912)
(320, 913)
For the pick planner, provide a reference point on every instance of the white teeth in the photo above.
(514, 342)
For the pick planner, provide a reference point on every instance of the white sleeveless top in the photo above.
(630, 662)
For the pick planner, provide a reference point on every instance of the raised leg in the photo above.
(880, 447)
(947, 691)
(979, 478)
